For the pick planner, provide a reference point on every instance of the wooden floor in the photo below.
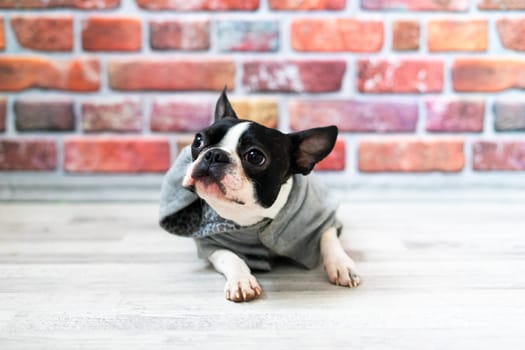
(446, 274)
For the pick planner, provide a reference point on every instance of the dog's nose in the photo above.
(217, 156)
(213, 164)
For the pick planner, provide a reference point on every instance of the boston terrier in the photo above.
(241, 192)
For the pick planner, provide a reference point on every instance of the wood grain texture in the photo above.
(445, 274)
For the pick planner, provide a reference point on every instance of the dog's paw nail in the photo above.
(355, 279)
(341, 272)
(243, 289)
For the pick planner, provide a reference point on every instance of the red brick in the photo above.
(2, 34)
(501, 4)
(28, 154)
(405, 35)
(510, 115)
(111, 34)
(454, 35)
(336, 160)
(44, 114)
(455, 116)
(3, 112)
(23, 72)
(115, 114)
(499, 155)
(512, 33)
(307, 5)
(116, 155)
(44, 33)
(180, 34)
(294, 76)
(337, 35)
(168, 114)
(416, 5)
(354, 116)
(408, 155)
(77, 4)
(488, 75)
(248, 35)
(399, 76)
(203, 5)
(170, 74)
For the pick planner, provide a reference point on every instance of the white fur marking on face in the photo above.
(230, 141)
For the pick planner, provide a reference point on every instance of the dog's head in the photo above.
(239, 163)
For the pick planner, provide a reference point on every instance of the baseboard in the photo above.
(46, 187)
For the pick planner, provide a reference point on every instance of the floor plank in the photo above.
(437, 275)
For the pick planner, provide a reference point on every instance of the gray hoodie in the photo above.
(294, 233)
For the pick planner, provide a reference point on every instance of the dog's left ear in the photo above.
(223, 108)
(311, 146)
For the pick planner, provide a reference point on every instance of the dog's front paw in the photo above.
(342, 271)
(242, 288)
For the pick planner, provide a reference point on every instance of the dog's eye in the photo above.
(198, 141)
(255, 157)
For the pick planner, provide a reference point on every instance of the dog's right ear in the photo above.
(311, 146)
(223, 108)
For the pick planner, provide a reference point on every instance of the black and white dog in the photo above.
(240, 191)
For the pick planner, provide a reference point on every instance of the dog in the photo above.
(241, 191)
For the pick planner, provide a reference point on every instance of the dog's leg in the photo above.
(338, 265)
(241, 285)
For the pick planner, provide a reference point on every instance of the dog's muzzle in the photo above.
(212, 164)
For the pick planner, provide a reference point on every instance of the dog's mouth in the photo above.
(210, 187)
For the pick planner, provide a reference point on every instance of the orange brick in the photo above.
(2, 34)
(116, 154)
(44, 33)
(201, 5)
(76, 4)
(445, 35)
(307, 4)
(501, 4)
(111, 34)
(399, 75)
(337, 35)
(170, 74)
(407, 155)
(405, 35)
(23, 72)
(487, 75)
(512, 33)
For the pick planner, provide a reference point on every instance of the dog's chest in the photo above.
(213, 224)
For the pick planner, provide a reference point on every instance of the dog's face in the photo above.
(241, 164)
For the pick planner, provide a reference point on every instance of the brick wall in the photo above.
(117, 86)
